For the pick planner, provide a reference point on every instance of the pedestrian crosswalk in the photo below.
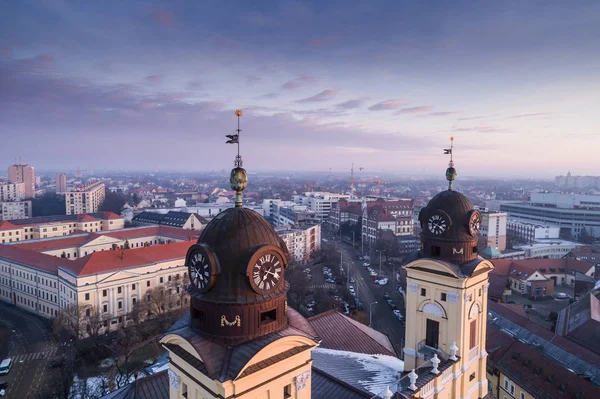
(26, 357)
(322, 286)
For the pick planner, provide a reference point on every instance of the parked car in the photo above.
(351, 289)
(352, 280)
(398, 314)
(3, 384)
(383, 281)
(561, 295)
(346, 309)
(337, 298)
(386, 297)
(310, 304)
(400, 290)
(373, 273)
(390, 302)
(366, 264)
(5, 366)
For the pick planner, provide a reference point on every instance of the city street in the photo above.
(30, 346)
(383, 319)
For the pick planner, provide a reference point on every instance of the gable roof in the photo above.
(106, 261)
(33, 259)
(155, 386)
(171, 218)
(343, 333)
(6, 225)
(62, 218)
(504, 267)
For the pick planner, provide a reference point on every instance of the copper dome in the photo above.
(455, 244)
(234, 235)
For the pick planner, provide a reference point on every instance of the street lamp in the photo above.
(380, 252)
(371, 312)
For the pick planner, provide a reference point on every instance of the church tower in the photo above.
(240, 341)
(446, 300)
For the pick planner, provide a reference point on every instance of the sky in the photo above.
(145, 85)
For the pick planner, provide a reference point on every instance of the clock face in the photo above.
(438, 223)
(475, 223)
(266, 272)
(202, 267)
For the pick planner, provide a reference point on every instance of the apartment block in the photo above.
(15, 210)
(84, 199)
(22, 173)
(12, 191)
(61, 183)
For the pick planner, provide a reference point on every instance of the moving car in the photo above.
(398, 314)
(352, 280)
(5, 366)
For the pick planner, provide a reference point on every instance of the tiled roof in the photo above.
(50, 244)
(325, 386)
(86, 218)
(33, 259)
(497, 285)
(171, 218)
(104, 261)
(62, 218)
(6, 225)
(504, 267)
(155, 386)
(538, 374)
(343, 333)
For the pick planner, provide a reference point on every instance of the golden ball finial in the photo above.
(451, 138)
(238, 112)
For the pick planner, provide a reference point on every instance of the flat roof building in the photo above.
(84, 199)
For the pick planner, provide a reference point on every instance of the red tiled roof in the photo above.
(6, 225)
(86, 218)
(104, 261)
(504, 267)
(548, 335)
(537, 373)
(343, 333)
(515, 307)
(110, 215)
(166, 231)
(34, 259)
(58, 243)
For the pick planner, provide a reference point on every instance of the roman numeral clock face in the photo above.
(266, 273)
(438, 223)
(200, 269)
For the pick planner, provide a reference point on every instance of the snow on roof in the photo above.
(369, 373)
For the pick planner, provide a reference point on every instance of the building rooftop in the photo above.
(63, 218)
(343, 333)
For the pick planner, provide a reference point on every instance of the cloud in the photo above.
(414, 110)
(324, 40)
(163, 17)
(470, 118)
(480, 128)
(388, 104)
(269, 95)
(443, 113)
(252, 79)
(194, 85)
(154, 79)
(300, 81)
(350, 104)
(322, 96)
(528, 115)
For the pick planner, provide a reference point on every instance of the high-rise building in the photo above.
(61, 183)
(84, 199)
(23, 173)
(10, 210)
(12, 191)
(493, 229)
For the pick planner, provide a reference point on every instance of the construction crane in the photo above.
(352, 179)
(377, 183)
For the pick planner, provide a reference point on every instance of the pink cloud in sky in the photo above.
(443, 113)
(322, 96)
(323, 41)
(388, 104)
(154, 79)
(298, 82)
(414, 110)
(163, 17)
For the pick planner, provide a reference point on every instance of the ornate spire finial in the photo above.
(238, 178)
(450, 172)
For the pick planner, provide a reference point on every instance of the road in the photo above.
(30, 346)
(383, 319)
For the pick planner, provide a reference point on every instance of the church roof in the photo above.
(153, 387)
(343, 333)
(224, 362)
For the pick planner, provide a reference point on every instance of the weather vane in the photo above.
(450, 172)
(238, 178)
(235, 139)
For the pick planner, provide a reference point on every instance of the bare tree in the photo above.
(69, 320)
(179, 285)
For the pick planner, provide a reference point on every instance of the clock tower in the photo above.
(446, 299)
(240, 341)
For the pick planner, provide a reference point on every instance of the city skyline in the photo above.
(146, 86)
